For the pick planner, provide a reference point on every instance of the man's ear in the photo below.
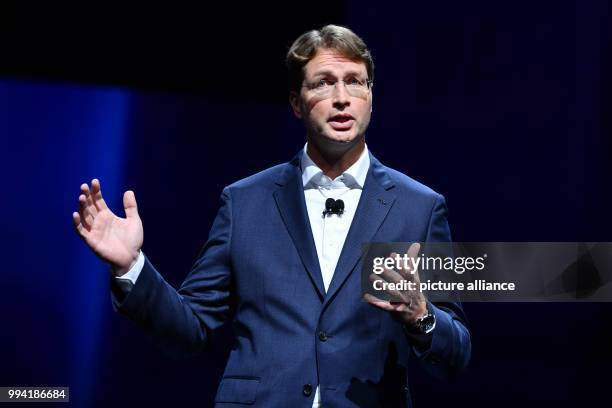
(294, 100)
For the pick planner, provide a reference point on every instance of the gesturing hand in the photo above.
(115, 240)
(406, 305)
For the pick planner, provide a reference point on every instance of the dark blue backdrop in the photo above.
(504, 107)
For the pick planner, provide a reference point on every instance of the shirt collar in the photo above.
(354, 176)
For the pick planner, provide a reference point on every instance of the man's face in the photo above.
(334, 107)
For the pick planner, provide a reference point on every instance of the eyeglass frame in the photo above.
(327, 93)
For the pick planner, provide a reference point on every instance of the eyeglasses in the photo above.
(325, 87)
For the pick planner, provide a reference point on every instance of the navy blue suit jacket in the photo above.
(259, 270)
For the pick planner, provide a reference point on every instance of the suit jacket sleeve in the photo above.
(447, 351)
(181, 322)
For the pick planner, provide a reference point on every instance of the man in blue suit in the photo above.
(283, 257)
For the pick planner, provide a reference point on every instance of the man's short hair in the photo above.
(335, 37)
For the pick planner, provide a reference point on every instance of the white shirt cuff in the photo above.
(135, 270)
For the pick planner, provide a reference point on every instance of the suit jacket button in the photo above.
(307, 390)
(323, 336)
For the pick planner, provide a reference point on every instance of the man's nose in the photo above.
(340, 94)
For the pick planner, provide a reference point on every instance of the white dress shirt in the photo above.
(330, 231)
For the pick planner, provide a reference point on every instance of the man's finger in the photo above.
(85, 217)
(402, 272)
(91, 208)
(96, 192)
(408, 271)
(414, 249)
(397, 296)
(85, 189)
(391, 276)
(400, 268)
(413, 253)
(76, 221)
(89, 200)
(382, 304)
(377, 302)
(129, 204)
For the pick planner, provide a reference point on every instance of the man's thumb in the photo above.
(129, 204)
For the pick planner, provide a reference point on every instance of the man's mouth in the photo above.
(341, 121)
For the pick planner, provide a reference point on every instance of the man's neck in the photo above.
(332, 164)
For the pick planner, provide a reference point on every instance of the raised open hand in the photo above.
(115, 240)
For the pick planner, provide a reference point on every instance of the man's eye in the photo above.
(322, 83)
(354, 81)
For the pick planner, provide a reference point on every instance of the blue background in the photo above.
(503, 107)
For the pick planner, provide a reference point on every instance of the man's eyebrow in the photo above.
(330, 73)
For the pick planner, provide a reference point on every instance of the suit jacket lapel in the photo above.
(292, 206)
(374, 205)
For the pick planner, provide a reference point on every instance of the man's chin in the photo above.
(341, 139)
(338, 144)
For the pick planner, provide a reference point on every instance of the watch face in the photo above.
(426, 324)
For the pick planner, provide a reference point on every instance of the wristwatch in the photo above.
(426, 323)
